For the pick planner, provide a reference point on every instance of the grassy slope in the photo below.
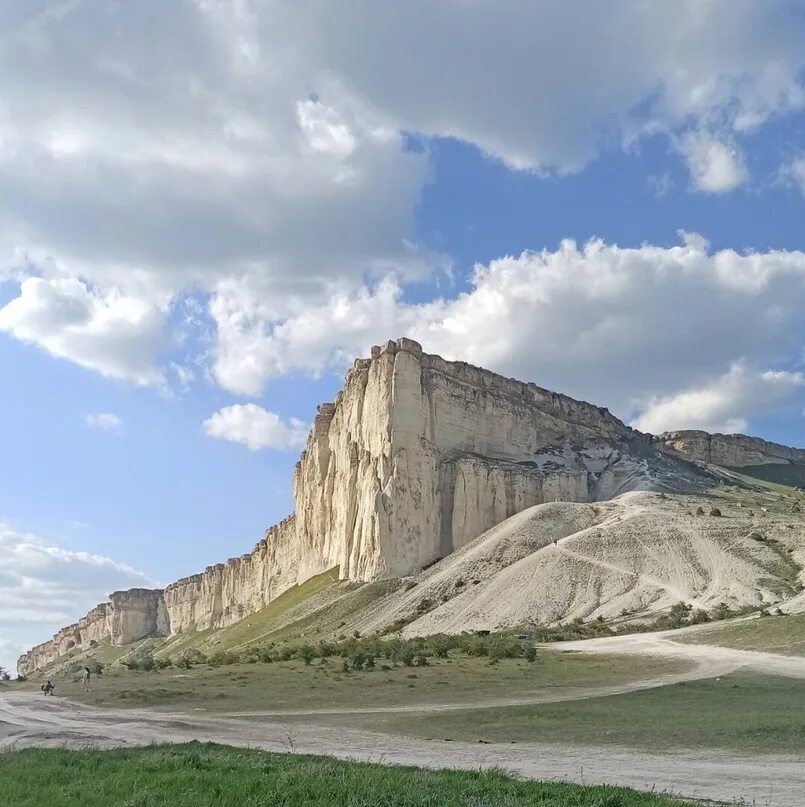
(779, 634)
(292, 685)
(254, 627)
(742, 711)
(197, 775)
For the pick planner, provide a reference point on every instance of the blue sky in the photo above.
(197, 238)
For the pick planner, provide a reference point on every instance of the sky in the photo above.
(209, 208)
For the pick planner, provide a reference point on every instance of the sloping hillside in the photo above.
(626, 559)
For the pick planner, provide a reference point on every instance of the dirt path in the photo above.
(771, 781)
(777, 780)
(710, 659)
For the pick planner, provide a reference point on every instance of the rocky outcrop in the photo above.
(227, 592)
(416, 457)
(128, 616)
(729, 450)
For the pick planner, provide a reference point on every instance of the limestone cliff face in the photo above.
(418, 456)
(729, 450)
(415, 458)
(227, 592)
(128, 616)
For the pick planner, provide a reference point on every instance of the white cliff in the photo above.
(729, 450)
(416, 457)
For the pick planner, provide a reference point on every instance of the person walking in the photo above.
(86, 677)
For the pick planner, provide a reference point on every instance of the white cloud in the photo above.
(44, 587)
(255, 427)
(274, 158)
(119, 336)
(106, 421)
(622, 327)
(714, 166)
(724, 404)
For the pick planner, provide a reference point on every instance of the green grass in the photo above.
(742, 711)
(203, 775)
(777, 634)
(293, 686)
(256, 626)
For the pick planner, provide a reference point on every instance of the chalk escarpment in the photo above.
(416, 457)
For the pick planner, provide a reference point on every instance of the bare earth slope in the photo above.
(635, 555)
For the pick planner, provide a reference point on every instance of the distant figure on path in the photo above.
(47, 688)
(85, 677)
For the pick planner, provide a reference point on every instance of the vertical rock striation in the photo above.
(418, 456)
(227, 592)
(128, 616)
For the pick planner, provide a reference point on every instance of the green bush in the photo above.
(306, 653)
(222, 658)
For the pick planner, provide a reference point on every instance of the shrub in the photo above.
(145, 662)
(501, 647)
(326, 649)
(441, 645)
(714, 511)
(222, 658)
(424, 605)
(530, 653)
(699, 511)
(306, 653)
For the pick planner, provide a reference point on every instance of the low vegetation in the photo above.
(743, 711)
(324, 684)
(203, 775)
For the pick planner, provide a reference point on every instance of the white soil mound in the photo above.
(630, 557)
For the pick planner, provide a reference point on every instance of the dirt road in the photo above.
(28, 719)
(772, 781)
(710, 660)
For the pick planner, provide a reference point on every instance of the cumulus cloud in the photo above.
(44, 587)
(118, 335)
(623, 327)
(722, 405)
(106, 421)
(255, 427)
(714, 166)
(274, 155)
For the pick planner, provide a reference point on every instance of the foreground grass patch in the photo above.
(202, 775)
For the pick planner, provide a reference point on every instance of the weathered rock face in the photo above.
(128, 616)
(418, 456)
(729, 450)
(227, 592)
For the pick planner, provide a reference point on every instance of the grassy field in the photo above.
(201, 775)
(779, 634)
(323, 684)
(741, 711)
